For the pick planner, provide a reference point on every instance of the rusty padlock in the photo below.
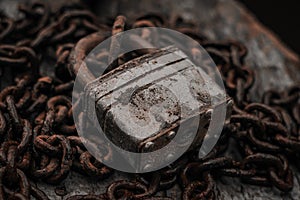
(143, 90)
(142, 104)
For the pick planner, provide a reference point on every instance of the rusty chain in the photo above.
(39, 140)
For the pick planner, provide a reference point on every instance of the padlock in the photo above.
(142, 104)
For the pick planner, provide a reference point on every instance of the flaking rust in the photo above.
(141, 104)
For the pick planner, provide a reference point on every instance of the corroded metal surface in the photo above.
(159, 91)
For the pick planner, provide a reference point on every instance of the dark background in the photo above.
(282, 17)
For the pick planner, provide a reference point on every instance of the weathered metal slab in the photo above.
(150, 96)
